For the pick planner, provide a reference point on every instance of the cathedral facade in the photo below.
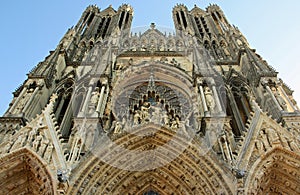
(113, 111)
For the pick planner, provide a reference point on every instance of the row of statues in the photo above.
(148, 113)
(34, 139)
(154, 113)
(269, 137)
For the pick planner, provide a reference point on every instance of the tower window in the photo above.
(90, 19)
(121, 19)
(183, 19)
(178, 18)
(106, 27)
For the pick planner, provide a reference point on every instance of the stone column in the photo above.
(200, 83)
(203, 99)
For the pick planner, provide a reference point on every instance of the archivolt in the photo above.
(189, 173)
(23, 172)
(278, 171)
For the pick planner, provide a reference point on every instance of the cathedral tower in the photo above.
(110, 111)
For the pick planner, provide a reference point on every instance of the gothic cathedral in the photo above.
(113, 111)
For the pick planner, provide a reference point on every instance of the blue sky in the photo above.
(30, 29)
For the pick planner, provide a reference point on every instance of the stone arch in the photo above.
(277, 172)
(189, 173)
(238, 106)
(23, 171)
(63, 106)
(165, 74)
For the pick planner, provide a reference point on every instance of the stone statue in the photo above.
(18, 143)
(293, 145)
(89, 139)
(279, 98)
(156, 114)
(94, 99)
(48, 152)
(36, 142)
(272, 136)
(166, 118)
(209, 98)
(145, 112)
(174, 124)
(259, 145)
(136, 117)
(118, 128)
(8, 146)
(31, 135)
(43, 146)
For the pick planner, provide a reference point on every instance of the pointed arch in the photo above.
(277, 171)
(24, 171)
(189, 173)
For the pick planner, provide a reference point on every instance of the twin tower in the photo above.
(111, 111)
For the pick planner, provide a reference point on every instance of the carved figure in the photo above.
(272, 136)
(36, 142)
(279, 99)
(118, 128)
(43, 146)
(18, 143)
(166, 118)
(95, 97)
(31, 135)
(136, 117)
(209, 98)
(145, 112)
(48, 152)
(156, 114)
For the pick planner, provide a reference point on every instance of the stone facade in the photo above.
(110, 111)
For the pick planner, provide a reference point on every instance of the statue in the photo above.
(31, 135)
(292, 144)
(136, 117)
(89, 139)
(8, 146)
(48, 152)
(272, 136)
(209, 98)
(259, 144)
(166, 118)
(118, 128)
(43, 146)
(156, 114)
(94, 99)
(36, 142)
(279, 98)
(145, 112)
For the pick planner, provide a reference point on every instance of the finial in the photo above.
(152, 25)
